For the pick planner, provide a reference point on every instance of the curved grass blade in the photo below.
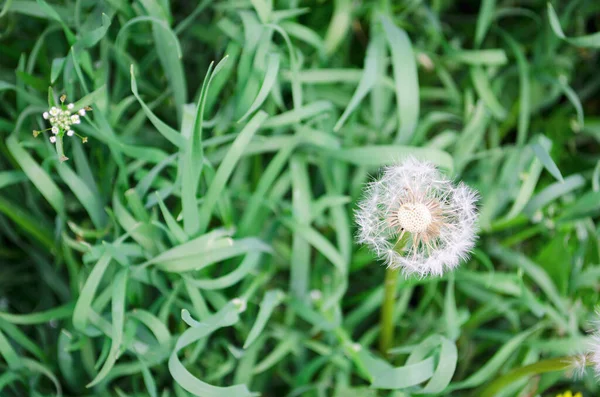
(226, 168)
(366, 84)
(56, 313)
(84, 302)
(406, 79)
(389, 154)
(226, 317)
(37, 175)
(118, 321)
(270, 78)
(244, 269)
(541, 147)
(269, 302)
(591, 40)
(170, 133)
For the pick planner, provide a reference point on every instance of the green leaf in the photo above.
(226, 317)
(263, 9)
(267, 85)
(489, 57)
(226, 168)
(405, 78)
(366, 84)
(56, 313)
(90, 201)
(489, 369)
(541, 147)
(83, 306)
(28, 222)
(92, 37)
(37, 175)
(387, 377)
(48, 10)
(269, 302)
(391, 154)
(8, 353)
(243, 270)
(524, 89)
(484, 89)
(171, 134)
(186, 258)
(484, 20)
(591, 40)
(118, 320)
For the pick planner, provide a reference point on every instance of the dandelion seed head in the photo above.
(412, 201)
(414, 217)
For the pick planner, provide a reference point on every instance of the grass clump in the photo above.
(198, 239)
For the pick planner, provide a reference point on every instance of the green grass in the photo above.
(227, 146)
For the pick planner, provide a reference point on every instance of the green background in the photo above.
(228, 144)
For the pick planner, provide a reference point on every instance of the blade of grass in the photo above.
(405, 78)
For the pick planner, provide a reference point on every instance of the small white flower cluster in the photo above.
(61, 118)
(413, 202)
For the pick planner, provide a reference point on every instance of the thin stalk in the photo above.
(390, 288)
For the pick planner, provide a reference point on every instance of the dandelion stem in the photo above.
(390, 288)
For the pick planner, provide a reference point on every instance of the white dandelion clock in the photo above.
(415, 204)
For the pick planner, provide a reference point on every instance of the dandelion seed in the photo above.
(53, 139)
(413, 201)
